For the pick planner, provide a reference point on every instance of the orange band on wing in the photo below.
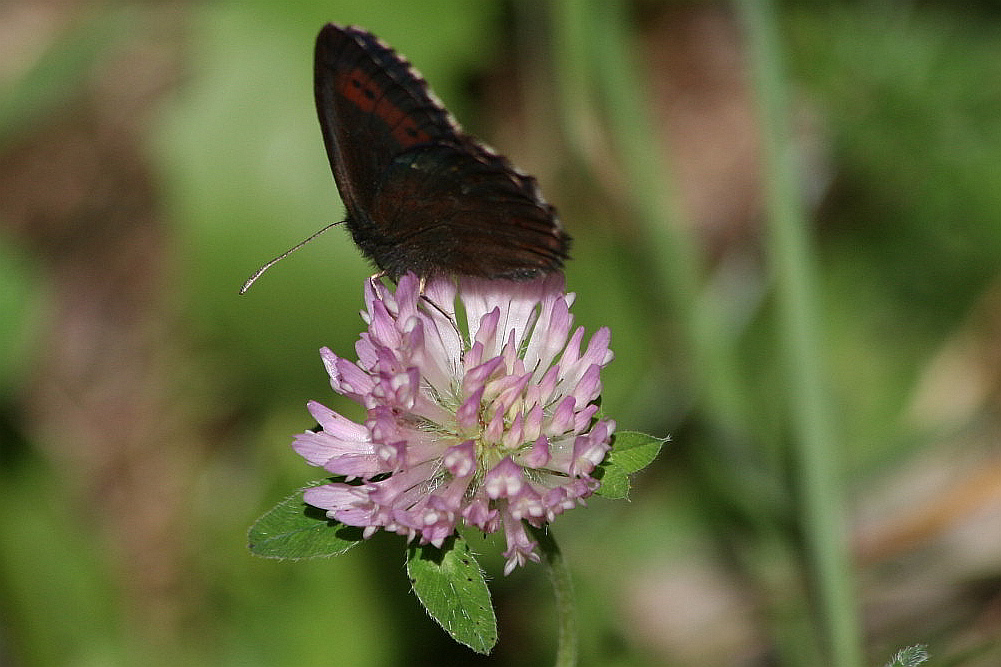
(358, 88)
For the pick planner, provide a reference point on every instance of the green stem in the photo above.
(815, 447)
(559, 574)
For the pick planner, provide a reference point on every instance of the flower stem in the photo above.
(559, 574)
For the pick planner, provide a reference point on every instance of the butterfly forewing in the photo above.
(371, 107)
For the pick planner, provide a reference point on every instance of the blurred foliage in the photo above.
(902, 102)
(911, 233)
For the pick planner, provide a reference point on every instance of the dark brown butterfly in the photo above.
(421, 195)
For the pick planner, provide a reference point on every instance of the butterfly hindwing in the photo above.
(446, 206)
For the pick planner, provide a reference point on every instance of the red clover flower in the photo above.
(492, 427)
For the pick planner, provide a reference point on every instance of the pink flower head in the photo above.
(493, 426)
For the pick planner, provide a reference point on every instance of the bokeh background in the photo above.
(153, 154)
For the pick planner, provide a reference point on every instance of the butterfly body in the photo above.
(421, 195)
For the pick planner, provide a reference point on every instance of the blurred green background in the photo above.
(152, 155)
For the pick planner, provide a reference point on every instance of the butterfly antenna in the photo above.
(257, 274)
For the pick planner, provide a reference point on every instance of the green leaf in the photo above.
(909, 657)
(631, 452)
(295, 530)
(614, 482)
(634, 451)
(450, 585)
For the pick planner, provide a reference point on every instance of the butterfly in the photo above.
(421, 195)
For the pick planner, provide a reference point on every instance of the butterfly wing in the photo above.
(420, 194)
(454, 209)
(372, 106)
